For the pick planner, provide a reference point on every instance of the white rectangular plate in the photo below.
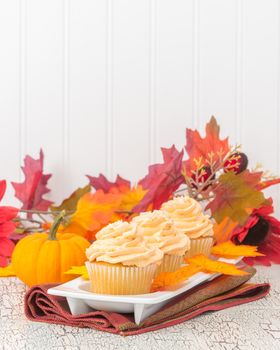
(81, 300)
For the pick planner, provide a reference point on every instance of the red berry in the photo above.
(237, 162)
(203, 175)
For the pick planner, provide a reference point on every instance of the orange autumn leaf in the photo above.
(168, 279)
(131, 197)
(199, 148)
(74, 227)
(265, 184)
(230, 250)
(47, 225)
(211, 266)
(94, 210)
(223, 230)
(234, 195)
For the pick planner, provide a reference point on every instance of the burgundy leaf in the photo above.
(31, 191)
(102, 183)
(162, 180)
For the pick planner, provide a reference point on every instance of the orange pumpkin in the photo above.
(44, 257)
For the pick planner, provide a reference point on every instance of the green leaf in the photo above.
(70, 203)
(235, 195)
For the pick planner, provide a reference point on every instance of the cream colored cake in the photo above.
(120, 261)
(189, 219)
(158, 230)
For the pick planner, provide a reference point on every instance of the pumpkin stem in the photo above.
(55, 225)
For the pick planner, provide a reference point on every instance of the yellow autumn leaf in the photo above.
(208, 265)
(230, 250)
(7, 271)
(131, 197)
(78, 270)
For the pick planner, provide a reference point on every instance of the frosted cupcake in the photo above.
(189, 219)
(119, 261)
(158, 230)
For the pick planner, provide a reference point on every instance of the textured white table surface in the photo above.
(252, 326)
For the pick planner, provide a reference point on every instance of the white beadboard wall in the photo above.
(100, 85)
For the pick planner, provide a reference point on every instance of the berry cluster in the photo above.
(237, 163)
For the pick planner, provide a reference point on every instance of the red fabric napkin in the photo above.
(221, 293)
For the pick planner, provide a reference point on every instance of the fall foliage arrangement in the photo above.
(208, 170)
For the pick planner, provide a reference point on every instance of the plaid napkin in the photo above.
(219, 294)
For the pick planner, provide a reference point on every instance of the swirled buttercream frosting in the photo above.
(158, 230)
(118, 243)
(188, 217)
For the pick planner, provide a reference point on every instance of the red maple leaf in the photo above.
(102, 183)
(7, 227)
(162, 180)
(3, 186)
(199, 148)
(31, 191)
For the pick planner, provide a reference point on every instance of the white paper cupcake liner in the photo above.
(170, 263)
(200, 246)
(120, 280)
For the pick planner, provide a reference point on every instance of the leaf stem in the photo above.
(181, 190)
(124, 212)
(42, 218)
(46, 212)
(27, 220)
(55, 226)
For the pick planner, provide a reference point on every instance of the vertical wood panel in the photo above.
(87, 90)
(259, 124)
(102, 85)
(130, 87)
(10, 111)
(65, 80)
(109, 90)
(153, 34)
(22, 79)
(239, 78)
(45, 86)
(217, 63)
(259, 132)
(278, 112)
(174, 72)
(195, 62)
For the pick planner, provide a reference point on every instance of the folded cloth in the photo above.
(218, 294)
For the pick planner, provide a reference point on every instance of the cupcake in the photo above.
(158, 230)
(189, 219)
(119, 261)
